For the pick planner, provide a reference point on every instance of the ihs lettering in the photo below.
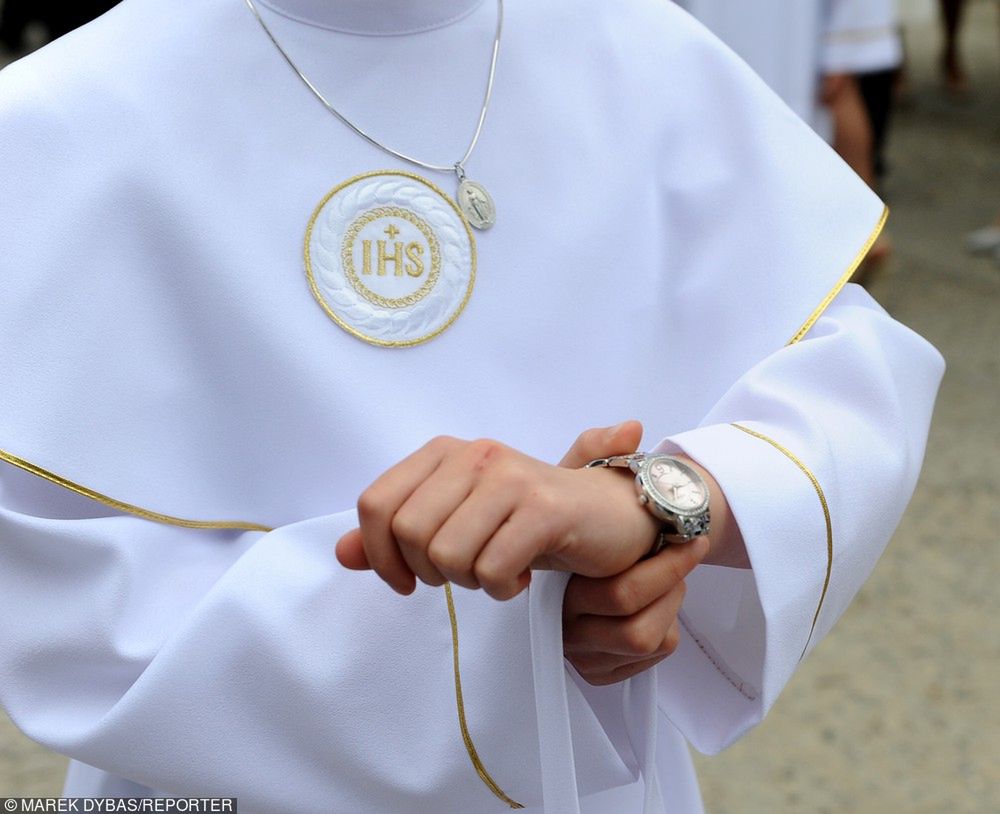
(413, 251)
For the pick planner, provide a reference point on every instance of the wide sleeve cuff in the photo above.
(744, 631)
(862, 36)
(862, 51)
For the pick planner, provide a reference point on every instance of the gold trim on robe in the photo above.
(797, 337)
(128, 508)
(826, 517)
(844, 280)
(238, 525)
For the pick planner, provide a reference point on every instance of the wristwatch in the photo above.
(671, 490)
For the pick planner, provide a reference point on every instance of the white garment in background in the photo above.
(793, 45)
(916, 12)
(658, 245)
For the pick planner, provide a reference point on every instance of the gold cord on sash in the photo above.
(470, 747)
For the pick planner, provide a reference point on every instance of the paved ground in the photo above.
(896, 711)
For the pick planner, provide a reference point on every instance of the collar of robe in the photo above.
(375, 17)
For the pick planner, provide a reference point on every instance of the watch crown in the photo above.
(644, 499)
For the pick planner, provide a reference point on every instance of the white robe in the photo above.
(665, 228)
(791, 45)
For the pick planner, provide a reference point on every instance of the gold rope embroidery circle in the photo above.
(347, 256)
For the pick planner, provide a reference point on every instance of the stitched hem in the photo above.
(744, 688)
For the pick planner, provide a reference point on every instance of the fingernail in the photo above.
(405, 588)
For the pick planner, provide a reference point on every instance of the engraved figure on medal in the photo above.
(476, 204)
(390, 258)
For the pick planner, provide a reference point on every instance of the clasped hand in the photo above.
(482, 515)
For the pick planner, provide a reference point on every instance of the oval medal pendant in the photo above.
(390, 258)
(476, 204)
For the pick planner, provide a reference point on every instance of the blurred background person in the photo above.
(952, 69)
(811, 53)
(796, 48)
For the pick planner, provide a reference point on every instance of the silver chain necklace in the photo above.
(473, 199)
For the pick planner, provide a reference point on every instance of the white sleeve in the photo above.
(245, 664)
(159, 653)
(861, 36)
(817, 449)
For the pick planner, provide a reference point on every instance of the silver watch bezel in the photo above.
(688, 522)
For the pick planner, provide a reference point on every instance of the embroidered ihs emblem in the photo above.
(390, 258)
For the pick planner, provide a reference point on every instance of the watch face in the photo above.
(678, 485)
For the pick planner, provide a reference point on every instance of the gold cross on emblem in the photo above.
(392, 231)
